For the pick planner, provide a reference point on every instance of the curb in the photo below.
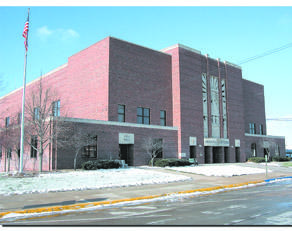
(66, 209)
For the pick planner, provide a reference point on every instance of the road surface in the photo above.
(270, 204)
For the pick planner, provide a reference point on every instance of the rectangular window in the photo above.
(8, 153)
(252, 128)
(36, 113)
(19, 118)
(34, 146)
(163, 118)
(143, 115)
(261, 129)
(56, 108)
(90, 151)
(121, 113)
(7, 120)
(158, 147)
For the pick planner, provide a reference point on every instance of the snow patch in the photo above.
(85, 180)
(219, 170)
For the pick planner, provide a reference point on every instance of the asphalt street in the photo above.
(270, 204)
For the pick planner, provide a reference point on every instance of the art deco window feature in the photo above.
(224, 110)
(205, 103)
(215, 114)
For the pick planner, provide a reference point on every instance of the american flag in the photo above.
(25, 33)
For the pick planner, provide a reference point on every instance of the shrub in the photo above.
(100, 164)
(257, 159)
(171, 162)
(280, 158)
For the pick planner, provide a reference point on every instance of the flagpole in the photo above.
(23, 107)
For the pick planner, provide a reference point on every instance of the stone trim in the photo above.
(265, 136)
(114, 123)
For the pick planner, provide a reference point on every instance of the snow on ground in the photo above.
(271, 164)
(83, 180)
(226, 170)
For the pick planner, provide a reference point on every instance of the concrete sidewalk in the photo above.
(43, 200)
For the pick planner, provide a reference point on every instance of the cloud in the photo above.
(45, 33)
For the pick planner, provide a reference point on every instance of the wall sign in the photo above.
(217, 142)
(193, 141)
(237, 143)
(126, 138)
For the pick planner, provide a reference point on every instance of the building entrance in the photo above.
(226, 155)
(126, 152)
(237, 154)
(193, 153)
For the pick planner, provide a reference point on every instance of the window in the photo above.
(8, 153)
(19, 118)
(205, 103)
(261, 129)
(158, 147)
(33, 147)
(163, 118)
(0, 151)
(253, 150)
(36, 113)
(56, 108)
(121, 113)
(143, 115)
(252, 128)
(7, 119)
(90, 151)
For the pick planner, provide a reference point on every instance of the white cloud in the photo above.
(63, 34)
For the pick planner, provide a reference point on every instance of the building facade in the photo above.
(198, 107)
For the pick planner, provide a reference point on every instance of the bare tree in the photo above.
(153, 148)
(75, 137)
(41, 125)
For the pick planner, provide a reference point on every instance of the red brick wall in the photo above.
(108, 142)
(139, 77)
(254, 105)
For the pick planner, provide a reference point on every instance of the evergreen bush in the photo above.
(100, 164)
(280, 158)
(257, 159)
(172, 162)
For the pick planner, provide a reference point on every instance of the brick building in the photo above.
(198, 107)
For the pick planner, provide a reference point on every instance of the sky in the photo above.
(230, 33)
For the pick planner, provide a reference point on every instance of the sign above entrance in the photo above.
(237, 143)
(193, 141)
(126, 138)
(216, 142)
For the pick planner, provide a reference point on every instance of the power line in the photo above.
(269, 52)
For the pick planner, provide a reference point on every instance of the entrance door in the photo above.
(126, 153)
(193, 154)
(226, 155)
(237, 154)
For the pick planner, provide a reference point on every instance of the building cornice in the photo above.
(35, 80)
(264, 136)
